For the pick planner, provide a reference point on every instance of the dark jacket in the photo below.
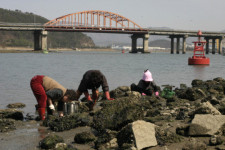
(145, 87)
(86, 83)
(56, 95)
(148, 87)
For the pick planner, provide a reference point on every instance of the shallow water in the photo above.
(16, 70)
(28, 136)
(120, 69)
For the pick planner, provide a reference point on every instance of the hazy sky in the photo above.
(206, 15)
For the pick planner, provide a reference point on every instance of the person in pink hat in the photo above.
(146, 85)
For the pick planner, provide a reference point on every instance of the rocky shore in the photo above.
(183, 118)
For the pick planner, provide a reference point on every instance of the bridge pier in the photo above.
(145, 38)
(172, 45)
(213, 46)
(184, 45)
(37, 45)
(134, 44)
(145, 43)
(178, 43)
(40, 40)
(216, 47)
(220, 44)
(207, 45)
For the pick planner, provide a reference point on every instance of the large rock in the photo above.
(197, 83)
(84, 137)
(68, 122)
(120, 91)
(11, 113)
(203, 125)
(16, 105)
(50, 141)
(7, 125)
(207, 108)
(164, 136)
(106, 140)
(118, 113)
(143, 133)
(193, 94)
(211, 87)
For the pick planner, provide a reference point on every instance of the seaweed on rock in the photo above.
(68, 122)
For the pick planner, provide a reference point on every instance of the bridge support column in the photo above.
(40, 40)
(44, 40)
(178, 45)
(145, 43)
(184, 45)
(145, 38)
(213, 46)
(134, 44)
(37, 42)
(220, 45)
(178, 37)
(172, 45)
(207, 45)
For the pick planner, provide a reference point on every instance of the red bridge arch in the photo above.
(93, 20)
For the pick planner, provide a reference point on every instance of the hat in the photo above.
(147, 76)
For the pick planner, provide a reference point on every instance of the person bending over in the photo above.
(93, 79)
(47, 91)
(146, 85)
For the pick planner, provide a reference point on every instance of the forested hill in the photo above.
(55, 39)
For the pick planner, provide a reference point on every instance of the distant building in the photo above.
(139, 47)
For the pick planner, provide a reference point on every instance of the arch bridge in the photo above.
(100, 22)
(94, 21)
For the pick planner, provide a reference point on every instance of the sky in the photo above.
(205, 15)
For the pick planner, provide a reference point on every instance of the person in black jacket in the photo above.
(93, 79)
(146, 85)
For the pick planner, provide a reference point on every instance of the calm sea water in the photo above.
(16, 70)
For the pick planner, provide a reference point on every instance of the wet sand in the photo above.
(28, 134)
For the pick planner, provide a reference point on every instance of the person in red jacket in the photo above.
(93, 79)
(47, 91)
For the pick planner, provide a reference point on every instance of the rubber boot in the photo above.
(41, 112)
(90, 104)
(50, 111)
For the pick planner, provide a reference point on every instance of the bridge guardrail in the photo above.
(20, 24)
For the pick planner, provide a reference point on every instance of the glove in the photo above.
(156, 93)
(52, 107)
(108, 96)
(60, 114)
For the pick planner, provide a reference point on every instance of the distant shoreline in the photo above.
(30, 50)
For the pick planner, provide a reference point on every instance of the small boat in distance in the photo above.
(199, 54)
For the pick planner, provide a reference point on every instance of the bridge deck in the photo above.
(34, 27)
